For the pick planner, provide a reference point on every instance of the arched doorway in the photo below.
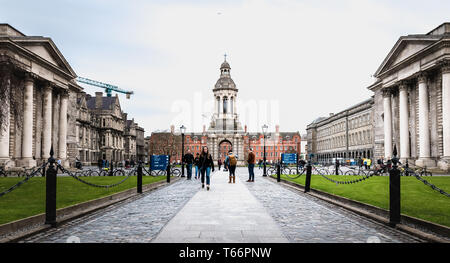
(224, 147)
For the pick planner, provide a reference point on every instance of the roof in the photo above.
(8, 30)
(30, 43)
(410, 45)
(225, 65)
(106, 102)
(225, 83)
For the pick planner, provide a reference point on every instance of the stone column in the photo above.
(47, 122)
(405, 152)
(62, 150)
(387, 124)
(4, 133)
(424, 131)
(444, 163)
(27, 134)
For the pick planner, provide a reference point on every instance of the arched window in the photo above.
(225, 105)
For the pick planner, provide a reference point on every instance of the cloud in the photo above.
(310, 57)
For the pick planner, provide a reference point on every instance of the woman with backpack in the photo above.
(206, 165)
(197, 165)
(231, 162)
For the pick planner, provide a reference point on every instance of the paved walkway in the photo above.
(263, 211)
(226, 213)
(137, 220)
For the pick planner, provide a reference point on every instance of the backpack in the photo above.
(233, 160)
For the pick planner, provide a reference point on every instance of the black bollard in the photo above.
(406, 168)
(394, 191)
(308, 177)
(111, 169)
(278, 172)
(168, 173)
(50, 192)
(139, 178)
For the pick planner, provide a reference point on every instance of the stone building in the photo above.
(276, 143)
(54, 110)
(111, 125)
(348, 134)
(87, 132)
(34, 65)
(412, 99)
(141, 154)
(134, 141)
(225, 131)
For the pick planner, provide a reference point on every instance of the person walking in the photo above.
(231, 162)
(219, 163)
(188, 159)
(251, 165)
(206, 165)
(197, 165)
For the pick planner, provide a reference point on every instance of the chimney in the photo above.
(331, 114)
(172, 128)
(204, 128)
(277, 128)
(245, 128)
(98, 100)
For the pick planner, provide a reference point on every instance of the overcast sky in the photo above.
(292, 61)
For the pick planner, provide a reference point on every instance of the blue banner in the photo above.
(289, 158)
(159, 162)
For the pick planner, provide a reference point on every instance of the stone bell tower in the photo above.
(225, 125)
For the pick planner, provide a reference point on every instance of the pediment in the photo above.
(47, 50)
(402, 50)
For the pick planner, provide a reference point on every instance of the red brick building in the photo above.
(169, 142)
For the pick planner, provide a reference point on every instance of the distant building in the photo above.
(410, 109)
(347, 134)
(225, 131)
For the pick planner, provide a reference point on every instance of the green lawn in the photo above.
(29, 198)
(417, 199)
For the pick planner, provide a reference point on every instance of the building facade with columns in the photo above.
(348, 134)
(34, 65)
(412, 99)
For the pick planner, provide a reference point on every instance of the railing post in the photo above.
(278, 172)
(139, 178)
(336, 167)
(407, 168)
(168, 170)
(111, 168)
(394, 191)
(50, 192)
(308, 177)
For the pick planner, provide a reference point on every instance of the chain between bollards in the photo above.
(139, 177)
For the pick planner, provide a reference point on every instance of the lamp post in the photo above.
(183, 130)
(264, 129)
